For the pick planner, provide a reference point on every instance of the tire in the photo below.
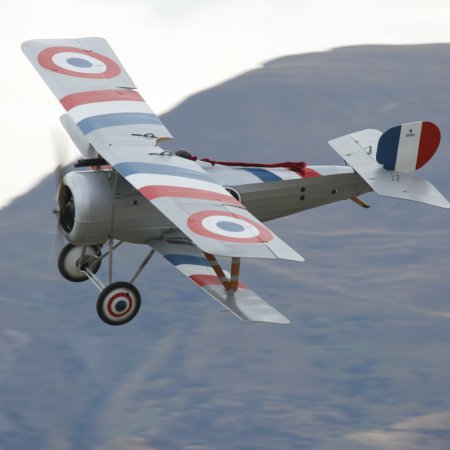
(68, 262)
(118, 303)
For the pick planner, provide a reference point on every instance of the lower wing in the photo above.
(196, 265)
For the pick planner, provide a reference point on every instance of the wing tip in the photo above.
(281, 321)
(284, 321)
(25, 45)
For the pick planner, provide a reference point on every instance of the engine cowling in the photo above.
(94, 205)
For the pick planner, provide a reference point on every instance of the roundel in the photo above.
(77, 62)
(228, 227)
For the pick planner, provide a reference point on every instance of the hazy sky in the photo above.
(174, 48)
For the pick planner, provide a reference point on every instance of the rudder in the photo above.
(408, 147)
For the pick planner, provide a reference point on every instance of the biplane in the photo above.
(200, 215)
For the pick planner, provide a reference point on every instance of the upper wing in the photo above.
(100, 98)
(91, 84)
(78, 138)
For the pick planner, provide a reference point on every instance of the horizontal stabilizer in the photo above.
(192, 263)
(359, 151)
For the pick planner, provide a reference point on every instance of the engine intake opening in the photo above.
(234, 192)
(66, 209)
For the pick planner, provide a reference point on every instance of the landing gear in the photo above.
(73, 261)
(118, 303)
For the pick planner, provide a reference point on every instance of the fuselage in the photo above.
(286, 192)
(104, 204)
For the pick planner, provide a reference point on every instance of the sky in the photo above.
(173, 49)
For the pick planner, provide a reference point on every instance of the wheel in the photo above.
(118, 303)
(69, 262)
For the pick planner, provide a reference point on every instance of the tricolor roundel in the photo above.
(77, 62)
(228, 227)
(408, 147)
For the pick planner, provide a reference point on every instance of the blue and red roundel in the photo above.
(77, 62)
(408, 147)
(228, 227)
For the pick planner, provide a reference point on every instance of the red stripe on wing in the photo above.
(207, 280)
(156, 191)
(83, 98)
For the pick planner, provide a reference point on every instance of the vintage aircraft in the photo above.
(192, 211)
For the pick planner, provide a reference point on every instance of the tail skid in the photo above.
(380, 160)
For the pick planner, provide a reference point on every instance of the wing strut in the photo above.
(235, 269)
(231, 284)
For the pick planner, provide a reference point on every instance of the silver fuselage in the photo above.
(106, 205)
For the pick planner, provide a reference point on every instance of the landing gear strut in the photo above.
(118, 302)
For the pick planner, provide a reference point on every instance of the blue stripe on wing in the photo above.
(263, 174)
(131, 168)
(177, 260)
(114, 119)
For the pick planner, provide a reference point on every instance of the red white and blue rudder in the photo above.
(408, 147)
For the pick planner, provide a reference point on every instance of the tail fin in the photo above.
(406, 148)
(398, 152)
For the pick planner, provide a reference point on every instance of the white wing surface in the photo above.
(192, 263)
(101, 99)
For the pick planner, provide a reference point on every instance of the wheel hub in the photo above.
(120, 306)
